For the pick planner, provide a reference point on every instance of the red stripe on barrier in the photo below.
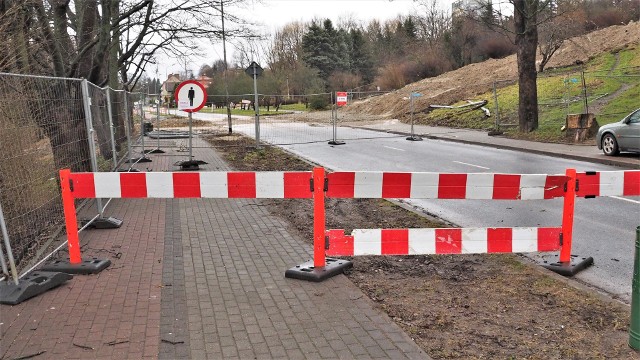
(554, 186)
(549, 239)
(341, 184)
(452, 186)
(396, 185)
(448, 241)
(395, 241)
(242, 185)
(506, 186)
(588, 185)
(339, 244)
(186, 185)
(133, 185)
(83, 185)
(296, 185)
(499, 240)
(631, 183)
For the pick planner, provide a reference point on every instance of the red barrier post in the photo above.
(567, 216)
(70, 218)
(318, 218)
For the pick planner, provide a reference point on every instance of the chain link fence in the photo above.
(47, 124)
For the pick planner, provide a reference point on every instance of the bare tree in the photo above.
(527, 16)
(106, 42)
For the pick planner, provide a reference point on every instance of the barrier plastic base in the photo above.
(106, 223)
(337, 142)
(414, 138)
(31, 285)
(86, 267)
(138, 160)
(154, 151)
(308, 272)
(570, 268)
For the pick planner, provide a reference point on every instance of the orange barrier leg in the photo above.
(75, 265)
(321, 267)
(567, 216)
(319, 219)
(70, 218)
(567, 264)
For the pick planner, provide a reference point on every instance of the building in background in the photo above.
(168, 87)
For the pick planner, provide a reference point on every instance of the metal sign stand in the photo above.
(413, 136)
(334, 121)
(195, 88)
(157, 150)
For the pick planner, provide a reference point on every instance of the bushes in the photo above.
(318, 102)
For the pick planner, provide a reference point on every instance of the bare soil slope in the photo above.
(474, 79)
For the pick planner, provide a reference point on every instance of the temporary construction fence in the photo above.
(46, 124)
(319, 185)
(572, 92)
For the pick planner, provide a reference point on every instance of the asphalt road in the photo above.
(604, 227)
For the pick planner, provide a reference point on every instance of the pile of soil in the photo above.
(474, 79)
(455, 306)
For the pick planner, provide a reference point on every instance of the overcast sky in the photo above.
(274, 14)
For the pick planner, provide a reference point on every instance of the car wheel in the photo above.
(609, 145)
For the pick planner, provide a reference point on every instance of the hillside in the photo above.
(477, 79)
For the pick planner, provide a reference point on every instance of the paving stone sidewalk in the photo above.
(199, 278)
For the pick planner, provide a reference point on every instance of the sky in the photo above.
(274, 14)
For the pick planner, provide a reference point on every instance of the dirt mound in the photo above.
(474, 79)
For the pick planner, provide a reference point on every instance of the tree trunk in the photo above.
(525, 17)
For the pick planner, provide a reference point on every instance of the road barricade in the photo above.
(474, 186)
(395, 185)
(167, 185)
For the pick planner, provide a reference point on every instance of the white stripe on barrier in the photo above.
(524, 240)
(270, 184)
(422, 241)
(368, 185)
(367, 242)
(214, 185)
(474, 241)
(159, 184)
(479, 186)
(424, 185)
(532, 186)
(611, 183)
(107, 185)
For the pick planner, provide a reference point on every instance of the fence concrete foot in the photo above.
(414, 138)
(190, 164)
(309, 272)
(85, 267)
(336, 142)
(138, 160)
(568, 268)
(154, 151)
(106, 223)
(31, 285)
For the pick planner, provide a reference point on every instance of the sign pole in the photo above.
(190, 136)
(256, 107)
(413, 136)
(191, 96)
(341, 100)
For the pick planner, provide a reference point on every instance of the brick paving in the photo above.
(199, 278)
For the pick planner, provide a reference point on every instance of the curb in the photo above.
(605, 161)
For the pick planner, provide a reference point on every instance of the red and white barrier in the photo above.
(443, 241)
(421, 185)
(608, 183)
(319, 185)
(266, 185)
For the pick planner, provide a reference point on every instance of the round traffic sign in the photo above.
(191, 96)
